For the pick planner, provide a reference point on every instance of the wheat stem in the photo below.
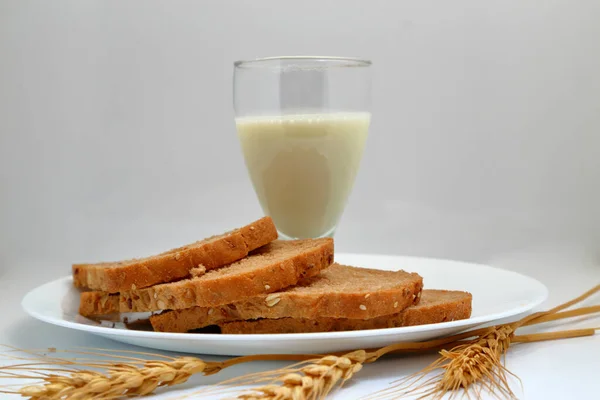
(578, 312)
(270, 357)
(537, 316)
(539, 337)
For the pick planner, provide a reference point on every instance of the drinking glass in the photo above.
(302, 123)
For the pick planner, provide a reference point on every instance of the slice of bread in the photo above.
(270, 268)
(435, 306)
(339, 291)
(211, 253)
(98, 303)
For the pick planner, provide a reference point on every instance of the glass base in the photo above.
(329, 234)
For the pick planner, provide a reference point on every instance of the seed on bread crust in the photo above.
(273, 302)
(363, 307)
(272, 299)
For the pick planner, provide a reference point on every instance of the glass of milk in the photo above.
(302, 123)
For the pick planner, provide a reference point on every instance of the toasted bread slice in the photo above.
(339, 291)
(435, 306)
(211, 253)
(270, 268)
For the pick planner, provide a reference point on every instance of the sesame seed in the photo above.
(363, 307)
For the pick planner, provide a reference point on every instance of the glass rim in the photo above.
(331, 60)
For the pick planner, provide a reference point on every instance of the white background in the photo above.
(117, 135)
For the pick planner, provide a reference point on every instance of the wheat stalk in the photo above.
(475, 362)
(478, 363)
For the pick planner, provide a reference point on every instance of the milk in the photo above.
(303, 167)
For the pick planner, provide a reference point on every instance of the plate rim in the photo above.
(220, 337)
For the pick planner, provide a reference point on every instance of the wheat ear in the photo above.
(311, 382)
(478, 363)
(120, 380)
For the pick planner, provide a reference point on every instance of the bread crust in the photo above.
(338, 292)
(175, 264)
(436, 306)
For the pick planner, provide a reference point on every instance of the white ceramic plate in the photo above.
(498, 295)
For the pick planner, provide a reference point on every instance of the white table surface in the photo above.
(565, 369)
